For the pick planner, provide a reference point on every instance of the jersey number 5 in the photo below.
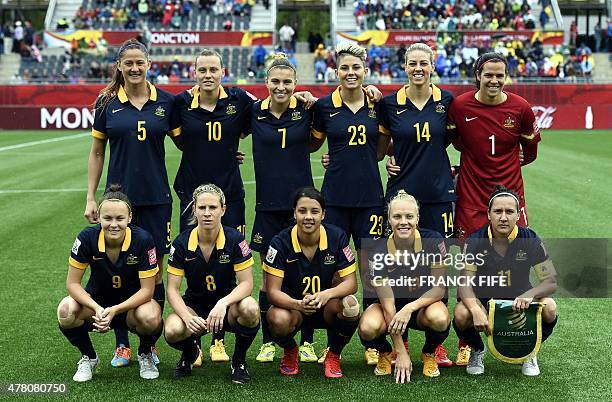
(142, 131)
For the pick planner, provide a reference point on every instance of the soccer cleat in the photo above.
(463, 356)
(307, 353)
(266, 353)
(383, 367)
(183, 368)
(289, 362)
(441, 357)
(530, 367)
(371, 356)
(155, 353)
(122, 357)
(85, 369)
(323, 354)
(198, 361)
(332, 365)
(430, 366)
(475, 365)
(148, 369)
(240, 374)
(217, 352)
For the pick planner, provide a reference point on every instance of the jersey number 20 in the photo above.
(313, 285)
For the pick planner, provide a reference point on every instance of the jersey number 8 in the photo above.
(210, 283)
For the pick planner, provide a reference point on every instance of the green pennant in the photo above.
(515, 335)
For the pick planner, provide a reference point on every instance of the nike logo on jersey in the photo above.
(117, 110)
(98, 258)
(189, 259)
(333, 114)
(401, 111)
(261, 117)
(290, 261)
(471, 118)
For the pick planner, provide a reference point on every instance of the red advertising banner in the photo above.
(561, 106)
(468, 38)
(182, 38)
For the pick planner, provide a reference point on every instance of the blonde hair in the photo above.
(422, 47)
(208, 189)
(209, 52)
(352, 50)
(280, 60)
(402, 196)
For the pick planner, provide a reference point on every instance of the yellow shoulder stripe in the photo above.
(76, 264)
(244, 265)
(273, 271)
(175, 271)
(348, 270)
(148, 273)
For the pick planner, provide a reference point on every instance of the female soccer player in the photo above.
(300, 266)
(135, 118)
(119, 290)
(413, 306)
(511, 251)
(415, 118)
(490, 126)
(211, 257)
(212, 122)
(352, 187)
(281, 128)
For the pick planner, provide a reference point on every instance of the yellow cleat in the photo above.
(430, 366)
(383, 366)
(307, 353)
(266, 353)
(217, 352)
(323, 356)
(198, 361)
(463, 356)
(371, 356)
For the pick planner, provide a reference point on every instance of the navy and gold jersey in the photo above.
(409, 273)
(418, 142)
(352, 178)
(302, 276)
(136, 137)
(115, 282)
(525, 251)
(209, 281)
(281, 154)
(210, 141)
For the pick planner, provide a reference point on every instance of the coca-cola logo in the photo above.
(544, 116)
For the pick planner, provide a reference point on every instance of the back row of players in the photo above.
(207, 122)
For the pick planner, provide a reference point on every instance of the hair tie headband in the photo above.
(505, 193)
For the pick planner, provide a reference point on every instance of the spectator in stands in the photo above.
(143, 8)
(586, 65)
(1, 40)
(62, 25)
(544, 16)
(285, 34)
(609, 35)
(17, 37)
(259, 56)
(227, 25)
(597, 33)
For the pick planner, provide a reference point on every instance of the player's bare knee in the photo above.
(173, 330)
(368, 329)
(65, 315)
(462, 316)
(549, 312)
(278, 322)
(249, 312)
(438, 321)
(350, 307)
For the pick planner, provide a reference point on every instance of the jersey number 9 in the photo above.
(313, 285)
(358, 134)
(116, 281)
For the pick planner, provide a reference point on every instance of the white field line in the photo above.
(33, 143)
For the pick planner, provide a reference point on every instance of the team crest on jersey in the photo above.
(160, 111)
(132, 259)
(329, 259)
(231, 109)
(440, 108)
(521, 255)
(257, 238)
(296, 115)
(372, 113)
(224, 258)
(509, 122)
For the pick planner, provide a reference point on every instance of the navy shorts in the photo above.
(437, 216)
(203, 310)
(119, 320)
(357, 222)
(234, 215)
(155, 219)
(267, 225)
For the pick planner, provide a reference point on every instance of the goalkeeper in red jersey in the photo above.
(490, 126)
